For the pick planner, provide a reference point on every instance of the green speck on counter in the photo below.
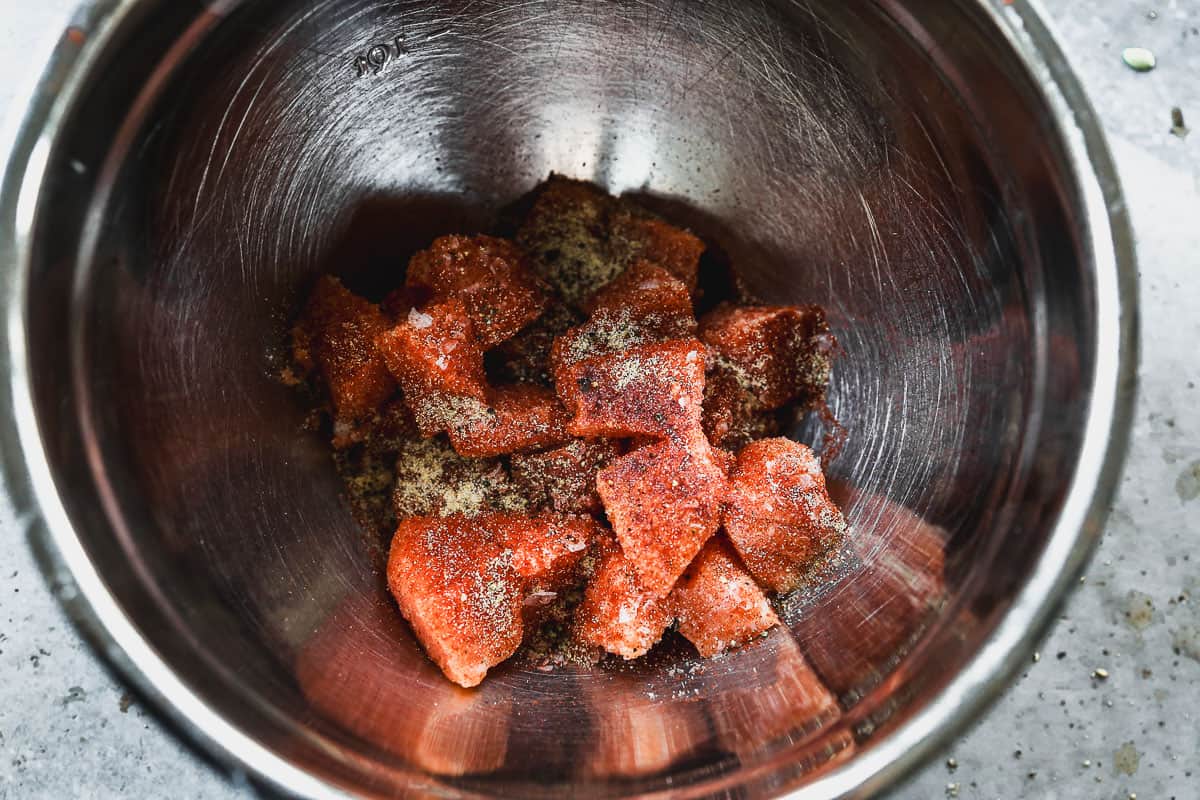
(1139, 59)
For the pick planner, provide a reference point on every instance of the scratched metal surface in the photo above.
(280, 248)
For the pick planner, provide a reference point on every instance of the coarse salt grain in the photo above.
(419, 320)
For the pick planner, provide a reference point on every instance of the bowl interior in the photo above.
(888, 162)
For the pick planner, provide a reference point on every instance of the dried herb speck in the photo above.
(1139, 59)
(1178, 127)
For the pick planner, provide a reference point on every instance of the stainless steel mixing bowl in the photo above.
(929, 172)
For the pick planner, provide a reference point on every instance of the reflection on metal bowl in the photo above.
(933, 178)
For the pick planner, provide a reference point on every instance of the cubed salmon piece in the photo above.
(362, 670)
(725, 459)
(674, 249)
(517, 419)
(491, 277)
(336, 336)
(732, 416)
(613, 331)
(566, 237)
(617, 613)
(779, 516)
(525, 358)
(778, 353)
(434, 355)
(643, 306)
(398, 302)
(546, 550)
(580, 238)
(432, 479)
(645, 289)
(664, 502)
(458, 589)
(462, 582)
(564, 479)
(653, 390)
(717, 603)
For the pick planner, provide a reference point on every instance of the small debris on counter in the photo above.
(74, 695)
(1139, 59)
(1126, 759)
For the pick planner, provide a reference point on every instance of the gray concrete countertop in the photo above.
(69, 729)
